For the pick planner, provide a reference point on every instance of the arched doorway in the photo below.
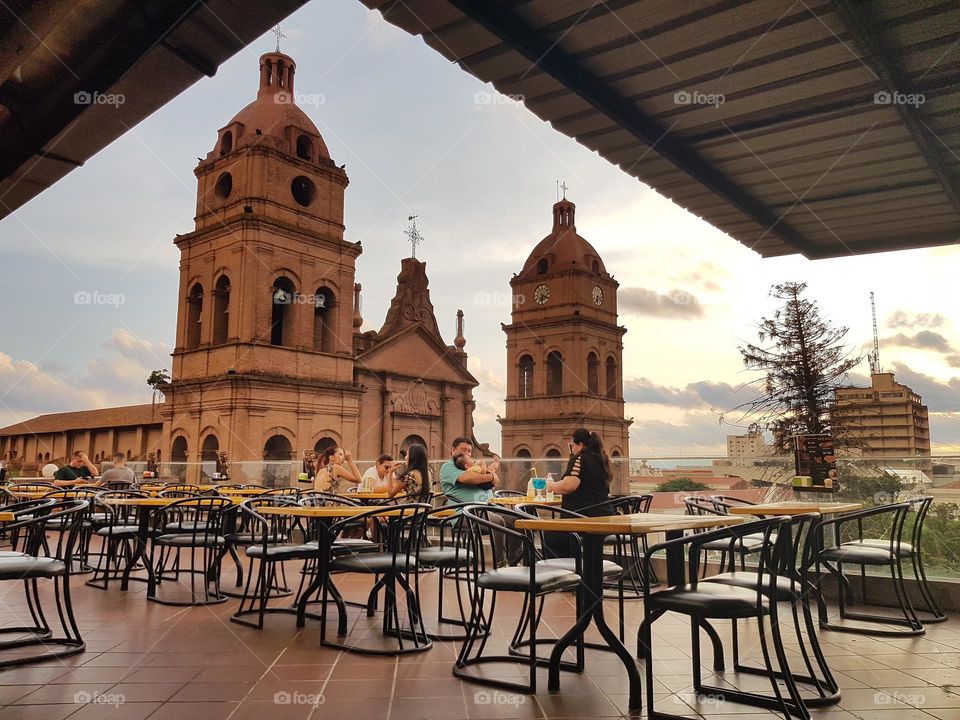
(410, 440)
(178, 458)
(209, 453)
(277, 468)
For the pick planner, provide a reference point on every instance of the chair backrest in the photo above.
(695, 505)
(399, 529)
(67, 513)
(267, 529)
(322, 499)
(921, 505)
(200, 516)
(117, 515)
(177, 493)
(729, 501)
(508, 493)
(283, 492)
(478, 529)
(771, 556)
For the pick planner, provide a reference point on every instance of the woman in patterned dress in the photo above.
(336, 465)
(413, 478)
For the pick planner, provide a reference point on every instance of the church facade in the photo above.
(270, 361)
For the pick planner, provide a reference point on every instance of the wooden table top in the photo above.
(523, 500)
(150, 501)
(796, 508)
(327, 511)
(366, 495)
(7, 517)
(636, 524)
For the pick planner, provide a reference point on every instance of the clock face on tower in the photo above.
(541, 294)
(597, 295)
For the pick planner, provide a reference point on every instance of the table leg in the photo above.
(591, 594)
(140, 552)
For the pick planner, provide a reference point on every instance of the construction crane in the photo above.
(874, 355)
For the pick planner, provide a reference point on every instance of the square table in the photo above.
(514, 500)
(790, 507)
(593, 531)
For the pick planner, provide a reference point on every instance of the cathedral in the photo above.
(270, 361)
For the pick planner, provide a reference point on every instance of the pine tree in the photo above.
(804, 359)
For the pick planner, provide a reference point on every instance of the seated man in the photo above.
(376, 475)
(119, 472)
(465, 486)
(79, 470)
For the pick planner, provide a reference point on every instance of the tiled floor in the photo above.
(145, 660)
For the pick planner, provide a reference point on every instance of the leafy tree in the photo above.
(156, 380)
(804, 359)
(682, 484)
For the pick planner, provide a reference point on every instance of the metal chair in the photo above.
(703, 601)
(485, 578)
(118, 533)
(399, 530)
(29, 566)
(889, 552)
(746, 545)
(508, 493)
(200, 528)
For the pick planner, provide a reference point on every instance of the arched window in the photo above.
(543, 266)
(593, 374)
(324, 325)
(612, 377)
(277, 448)
(411, 440)
(552, 453)
(178, 451)
(46, 457)
(554, 373)
(525, 377)
(523, 453)
(595, 267)
(210, 448)
(39, 457)
(282, 296)
(226, 144)
(194, 316)
(221, 310)
(304, 148)
(323, 443)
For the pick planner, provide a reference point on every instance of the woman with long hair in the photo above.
(335, 465)
(412, 478)
(584, 487)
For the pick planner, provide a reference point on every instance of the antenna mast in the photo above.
(874, 356)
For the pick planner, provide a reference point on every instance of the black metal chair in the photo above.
(268, 542)
(398, 530)
(508, 493)
(747, 544)
(793, 588)
(484, 578)
(29, 566)
(889, 552)
(704, 601)
(628, 550)
(932, 611)
(118, 533)
(199, 522)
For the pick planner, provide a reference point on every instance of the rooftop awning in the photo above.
(820, 127)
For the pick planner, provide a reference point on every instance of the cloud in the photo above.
(937, 395)
(924, 340)
(901, 319)
(115, 377)
(675, 304)
(702, 394)
(694, 432)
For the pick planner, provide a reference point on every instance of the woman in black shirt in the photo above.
(584, 487)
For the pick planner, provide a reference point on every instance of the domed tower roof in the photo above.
(562, 250)
(274, 114)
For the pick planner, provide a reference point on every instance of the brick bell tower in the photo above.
(263, 364)
(564, 348)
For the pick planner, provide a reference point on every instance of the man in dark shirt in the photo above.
(78, 470)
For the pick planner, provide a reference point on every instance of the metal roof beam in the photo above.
(878, 56)
(544, 53)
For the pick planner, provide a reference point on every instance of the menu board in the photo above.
(815, 459)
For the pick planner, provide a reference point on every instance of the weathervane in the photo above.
(413, 235)
(279, 33)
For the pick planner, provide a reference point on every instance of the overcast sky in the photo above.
(482, 178)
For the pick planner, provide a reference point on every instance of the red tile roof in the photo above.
(126, 416)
